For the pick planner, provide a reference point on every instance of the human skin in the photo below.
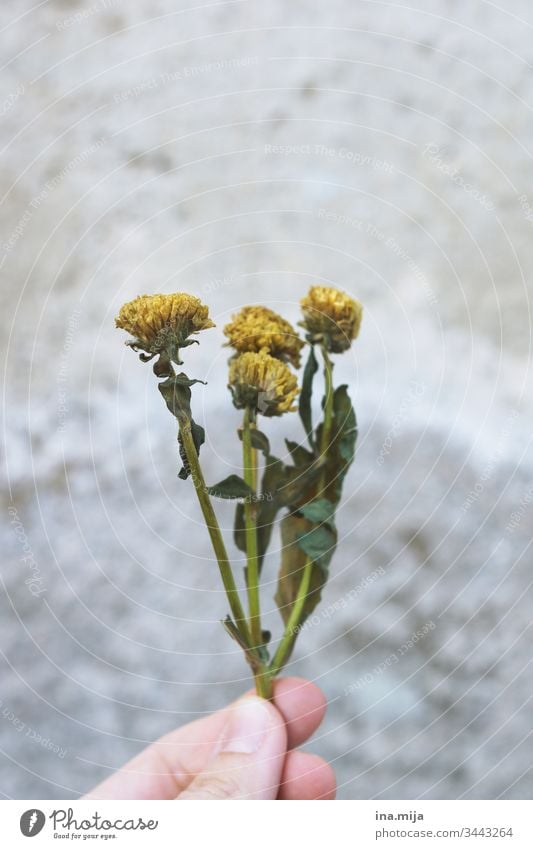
(248, 750)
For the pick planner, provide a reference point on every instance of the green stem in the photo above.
(252, 571)
(264, 684)
(214, 531)
(255, 470)
(291, 628)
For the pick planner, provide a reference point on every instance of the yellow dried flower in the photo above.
(162, 324)
(263, 383)
(256, 329)
(331, 317)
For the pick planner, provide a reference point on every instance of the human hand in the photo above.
(246, 751)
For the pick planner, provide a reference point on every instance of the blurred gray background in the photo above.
(242, 151)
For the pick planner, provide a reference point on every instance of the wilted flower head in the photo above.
(263, 383)
(256, 329)
(331, 317)
(162, 324)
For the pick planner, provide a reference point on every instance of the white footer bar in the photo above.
(268, 825)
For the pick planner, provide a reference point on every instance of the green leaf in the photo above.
(318, 511)
(300, 455)
(319, 543)
(305, 410)
(231, 487)
(259, 440)
(346, 423)
(293, 561)
(341, 450)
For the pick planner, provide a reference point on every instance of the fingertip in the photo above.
(300, 689)
(250, 755)
(302, 705)
(307, 777)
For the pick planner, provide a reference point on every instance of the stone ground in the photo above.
(242, 150)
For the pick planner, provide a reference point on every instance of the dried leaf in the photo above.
(293, 562)
(176, 390)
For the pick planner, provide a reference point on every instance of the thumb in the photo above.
(249, 757)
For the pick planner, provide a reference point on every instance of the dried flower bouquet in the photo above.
(306, 491)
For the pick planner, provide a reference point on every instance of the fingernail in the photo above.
(248, 725)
